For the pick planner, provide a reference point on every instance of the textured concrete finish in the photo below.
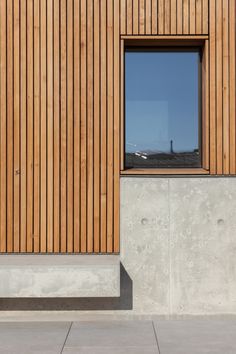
(178, 244)
(59, 276)
(145, 242)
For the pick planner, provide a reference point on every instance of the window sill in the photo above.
(165, 171)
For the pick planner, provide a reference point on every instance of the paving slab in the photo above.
(196, 336)
(34, 337)
(111, 334)
(111, 350)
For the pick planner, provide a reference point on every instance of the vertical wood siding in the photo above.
(222, 86)
(60, 109)
(59, 126)
(164, 17)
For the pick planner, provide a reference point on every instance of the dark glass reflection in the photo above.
(162, 108)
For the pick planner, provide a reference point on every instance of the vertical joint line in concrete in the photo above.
(169, 246)
(63, 346)
(155, 333)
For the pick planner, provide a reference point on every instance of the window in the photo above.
(162, 108)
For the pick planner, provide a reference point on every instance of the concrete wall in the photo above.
(178, 252)
(178, 244)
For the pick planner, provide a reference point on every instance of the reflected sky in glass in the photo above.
(161, 101)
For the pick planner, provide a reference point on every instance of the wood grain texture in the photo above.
(139, 17)
(59, 124)
(61, 111)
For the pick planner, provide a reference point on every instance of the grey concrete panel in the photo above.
(49, 276)
(196, 337)
(35, 337)
(145, 242)
(203, 245)
(111, 334)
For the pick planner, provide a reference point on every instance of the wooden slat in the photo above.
(219, 83)
(161, 11)
(43, 132)
(192, 14)
(110, 125)
(186, 16)
(77, 93)
(103, 98)
(167, 17)
(148, 17)
(83, 127)
(116, 242)
(205, 15)
(16, 105)
(50, 175)
(97, 119)
(154, 16)
(56, 130)
(123, 8)
(10, 134)
(90, 125)
(212, 87)
(70, 128)
(23, 127)
(173, 16)
(36, 236)
(232, 79)
(199, 16)
(3, 127)
(63, 126)
(179, 16)
(129, 19)
(142, 17)
(30, 123)
(135, 16)
(225, 53)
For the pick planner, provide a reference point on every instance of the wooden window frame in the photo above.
(171, 41)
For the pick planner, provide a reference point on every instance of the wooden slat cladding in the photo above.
(164, 17)
(222, 86)
(59, 125)
(60, 106)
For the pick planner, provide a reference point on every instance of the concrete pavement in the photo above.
(200, 336)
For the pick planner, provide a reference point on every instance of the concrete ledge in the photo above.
(59, 276)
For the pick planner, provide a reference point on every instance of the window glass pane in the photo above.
(162, 108)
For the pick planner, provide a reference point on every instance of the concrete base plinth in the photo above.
(59, 276)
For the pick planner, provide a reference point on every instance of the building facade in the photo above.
(118, 139)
